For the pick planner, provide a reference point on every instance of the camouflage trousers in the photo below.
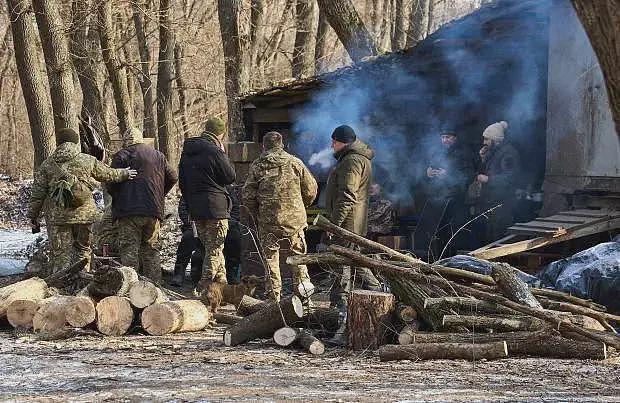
(272, 246)
(139, 244)
(69, 244)
(212, 234)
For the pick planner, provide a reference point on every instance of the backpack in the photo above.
(67, 190)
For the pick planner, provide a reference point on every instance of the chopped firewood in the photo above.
(512, 287)
(369, 319)
(263, 323)
(288, 336)
(144, 293)
(175, 317)
(285, 336)
(80, 311)
(499, 324)
(114, 315)
(437, 351)
(249, 305)
(542, 343)
(34, 289)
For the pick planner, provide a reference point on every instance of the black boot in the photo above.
(178, 276)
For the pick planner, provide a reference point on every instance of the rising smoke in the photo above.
(463, 78)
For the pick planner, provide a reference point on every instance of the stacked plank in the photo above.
(467, 315)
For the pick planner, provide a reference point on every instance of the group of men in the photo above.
(464, 185)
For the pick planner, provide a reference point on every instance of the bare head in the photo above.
(272, 140)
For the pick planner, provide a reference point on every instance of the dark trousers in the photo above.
(189, 250)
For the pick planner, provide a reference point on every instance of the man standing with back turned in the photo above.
(138, 206)
(277, 191)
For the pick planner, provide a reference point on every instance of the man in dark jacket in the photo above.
(346, 203)
(498, 180)
(138, 206)
(204, 172)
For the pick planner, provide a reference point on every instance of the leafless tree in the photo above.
(399, 33)
(419, 22)
(321, 47)
(165, 76)
(303, 52)
(34, 89)
(146, 84)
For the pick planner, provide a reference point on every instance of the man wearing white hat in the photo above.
(501, 167)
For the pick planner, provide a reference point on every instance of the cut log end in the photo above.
(144, 293)
(160, 319)
(114, 315)
(80, 312)
(305, 289)
(285, 336)
(227, 338)
(20, 313)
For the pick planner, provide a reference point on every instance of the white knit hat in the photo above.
(495, 131)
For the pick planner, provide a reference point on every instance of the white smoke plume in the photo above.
(324, 159)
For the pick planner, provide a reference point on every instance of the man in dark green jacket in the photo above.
(346, 202)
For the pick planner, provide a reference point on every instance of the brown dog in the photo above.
(213, 295)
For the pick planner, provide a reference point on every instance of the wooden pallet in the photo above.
(545, 231)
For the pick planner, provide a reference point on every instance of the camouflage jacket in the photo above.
(380, 215)
(86, 168)
(278, 188)
(346, 192)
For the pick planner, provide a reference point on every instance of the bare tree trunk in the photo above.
(399, 35)
(601, 20)
(257, 38)
(228, 15)
(57, 61)
(84, 50)
(117, 73)
(146, 84)
(36, 95)
(165, 75)
(419, 22)
(349, 27)
(385, 37)
(320, 49)
(303, 57)
(178, 66)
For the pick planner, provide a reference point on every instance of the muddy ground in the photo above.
(197, 366)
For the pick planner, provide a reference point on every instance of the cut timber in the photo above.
(285, 336)
(249, 305)
(114, 315)
(51, 315)
(175, 317)
(544, 343)
(263, 323)
(305, 289)
(80, 311)
(601, 317)
(323, 320)
(226, 318)
(406, 313)
(113, 281)
(144, 293)
(369, 318)
(21, 312)
(34, 289)
(438, 351)
(513, 287)
(562, 296)
(406, 334)
(507, 324)
(467, 305)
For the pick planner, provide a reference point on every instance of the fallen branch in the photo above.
(434, 351)
(508, 324)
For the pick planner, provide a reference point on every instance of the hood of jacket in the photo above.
(66, 152)
(357, 147)
(274, 158)
(195, 145)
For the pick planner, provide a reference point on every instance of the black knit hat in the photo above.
(344, 134)
(67, 135)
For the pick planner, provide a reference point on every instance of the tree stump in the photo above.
(34, 289)
(449, 351)
(369, 319)
(263, 323)
(80, 312)
(249, 305)
(175, 317)
(144, 293)
(114, 315)
(51, 315)
(21, 312)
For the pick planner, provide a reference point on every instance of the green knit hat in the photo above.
(215, 126)
(67, 135)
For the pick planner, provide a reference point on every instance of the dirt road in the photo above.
(197, 366)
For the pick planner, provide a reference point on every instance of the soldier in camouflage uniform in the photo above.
(276, 192)
(380, 213)
(204, 173)
(69, 225)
